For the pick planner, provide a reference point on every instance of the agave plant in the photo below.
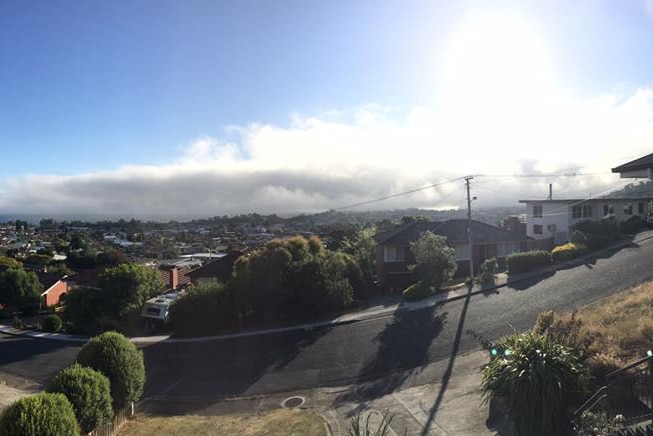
(539, 382)
(363, 427)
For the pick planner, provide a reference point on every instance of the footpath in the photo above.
(451, 405)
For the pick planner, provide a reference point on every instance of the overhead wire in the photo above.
(387, 197)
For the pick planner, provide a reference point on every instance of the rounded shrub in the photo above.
(417, 291)
(52, 323)
(568, 251)
(89, 392)
(45, 414)
(117, 358)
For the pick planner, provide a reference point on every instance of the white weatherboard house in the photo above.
(553, 218)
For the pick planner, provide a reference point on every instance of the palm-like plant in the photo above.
(539, 381)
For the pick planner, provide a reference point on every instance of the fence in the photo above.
(119, 419)
(626, 392)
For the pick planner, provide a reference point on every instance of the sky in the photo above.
(197, 108)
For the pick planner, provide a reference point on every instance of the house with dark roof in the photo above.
(638, 168)
(394, 255)
(220, 269)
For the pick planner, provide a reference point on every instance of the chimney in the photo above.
(174, 277)
(550, 191)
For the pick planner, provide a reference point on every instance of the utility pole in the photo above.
(469, 231)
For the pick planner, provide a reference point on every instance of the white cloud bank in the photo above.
(318, 163)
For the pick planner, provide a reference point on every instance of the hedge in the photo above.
(527, 261)
(417, 291)
(45, 414)
(117, 358)
(52, 323)
(89, 392)
(568, 251)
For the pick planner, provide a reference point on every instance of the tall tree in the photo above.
(435, 261)
(127, 286)
(20, 289)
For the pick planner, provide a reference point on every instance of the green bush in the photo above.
(527, 261)
(45, 414)
(539, 381)
(632, 225)
(52, 323)
(598, 234)
(204, 308)
(568, 251)
(417, 291)
(488, 270)
(117, 358)
(89, 392)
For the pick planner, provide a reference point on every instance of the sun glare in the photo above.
(497, 81)
(497, 62)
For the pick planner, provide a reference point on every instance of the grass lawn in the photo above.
(276, 423)
(624, 322)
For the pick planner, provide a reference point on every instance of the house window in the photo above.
(576, 211)
(587, 211)
(537, 229)
(537, 211)
(640, 208)
(628, 209)
(393, 254)
(607, 209)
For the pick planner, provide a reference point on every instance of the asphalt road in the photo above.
(403, 348)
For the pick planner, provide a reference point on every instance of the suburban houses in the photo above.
(553, 218)
(394, 255)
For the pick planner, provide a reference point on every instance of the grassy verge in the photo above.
(275, 423)
(624, 323)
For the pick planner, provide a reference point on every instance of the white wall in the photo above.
(555, 217)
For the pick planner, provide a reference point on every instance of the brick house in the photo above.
(394, 255)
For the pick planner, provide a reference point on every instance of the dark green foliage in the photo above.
(52, 323)
(632, 225)
(527, 261)
(126, 287)
(597, 234)
(435, 261)
(45, 414)
(38, 259)
(83, 307)
(292, 279)
(89, 392)
(21, 290)
(117, 358)
(10, 262)
(540, 382)
(417, 291)
(362, 248)
(204, 308)
(488, 270)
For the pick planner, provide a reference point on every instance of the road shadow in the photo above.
(523, 283)
(498, 420)
(402, 350)
(187, 377)
(24, 357)
(446, 377)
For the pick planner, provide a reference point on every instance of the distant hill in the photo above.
(641, 189)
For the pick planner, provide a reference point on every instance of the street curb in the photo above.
(341, 320)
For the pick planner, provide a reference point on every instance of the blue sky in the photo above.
(89, 88)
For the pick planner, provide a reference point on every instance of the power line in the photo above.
(363, 203)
